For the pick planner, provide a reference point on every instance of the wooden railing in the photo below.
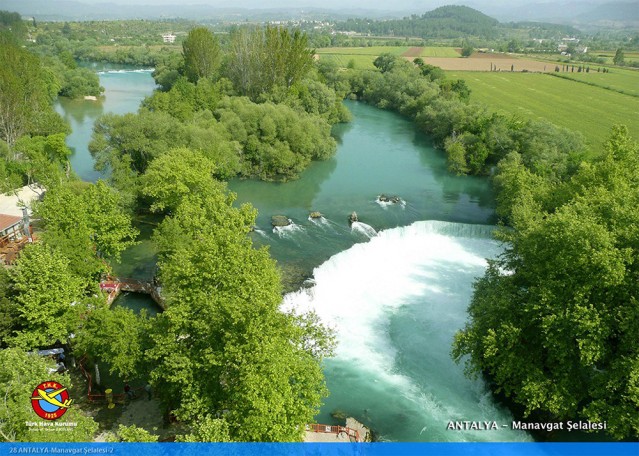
(327, 429)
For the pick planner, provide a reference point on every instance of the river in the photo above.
(395, 287)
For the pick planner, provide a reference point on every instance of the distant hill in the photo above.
(444, 22)
(615, 12)
(570, 12)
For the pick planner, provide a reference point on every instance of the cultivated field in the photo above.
(363, 57)
(618, 79)
(579, 107)
(361, 62)
(432, 51)
(482, 62)
(373, 50)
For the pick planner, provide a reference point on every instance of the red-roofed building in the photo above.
(15, 233)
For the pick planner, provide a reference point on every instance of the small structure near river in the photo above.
(113, 286)
(354, 431)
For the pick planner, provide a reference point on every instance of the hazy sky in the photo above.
(423, 5)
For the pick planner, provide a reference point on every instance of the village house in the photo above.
(169, 37)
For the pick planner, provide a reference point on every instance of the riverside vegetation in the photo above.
(553, 322)
(224, 374)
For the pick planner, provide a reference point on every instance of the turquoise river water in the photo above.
(394, 286)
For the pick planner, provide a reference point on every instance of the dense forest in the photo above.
(443, 22)
(453, 22)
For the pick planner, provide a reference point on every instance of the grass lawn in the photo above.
(579, 107)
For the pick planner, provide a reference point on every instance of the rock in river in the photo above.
(280, 220)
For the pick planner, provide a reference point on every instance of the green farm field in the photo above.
(364, 56)
(608, 55)
(578, 107)
(372, 51)
(618, 79)
(362, 62)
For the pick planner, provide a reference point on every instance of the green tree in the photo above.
(456, 153)
(48, 297)
(385, 62)
(131, 434)
(176, 174)
(262, 59)
(467, 49)
(85, 222)
(126, 335)
(8, 311)
(242, 360)
(201, 54)
(207, 429)
(20, 373)
(554, 321)
(23, 93)
(619, 58)
(44, 159)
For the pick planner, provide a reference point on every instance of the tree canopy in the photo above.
(201, 54)
(20, 373)
(86, 222)
(555, 320)
(264, 58)
(24, 93)
(242, 360)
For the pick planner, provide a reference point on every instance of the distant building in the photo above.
(169, 37)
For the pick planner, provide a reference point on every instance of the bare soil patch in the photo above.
(490, 55)
(484, 64)
(413, 52)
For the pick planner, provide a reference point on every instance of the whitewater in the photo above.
(395, 303)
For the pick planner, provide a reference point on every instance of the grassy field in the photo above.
(362, 57)
(579, 107)
(362, 62)
(618, 79)
(608, 55)
(372, 51)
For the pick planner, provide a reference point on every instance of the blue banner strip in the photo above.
(323, 449)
